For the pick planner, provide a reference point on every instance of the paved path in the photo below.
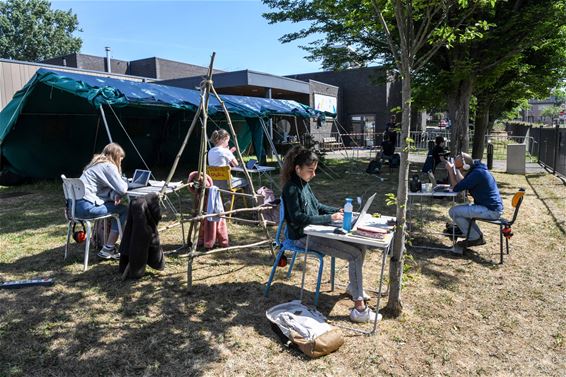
(498, 165)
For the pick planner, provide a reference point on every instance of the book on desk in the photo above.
(371, 232)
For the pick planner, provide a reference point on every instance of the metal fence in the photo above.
(547, 145)
(544, 145)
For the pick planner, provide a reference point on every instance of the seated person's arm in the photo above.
(454, 175)
(297, 214)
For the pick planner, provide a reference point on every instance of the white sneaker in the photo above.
(364, 293)
(367, 315)
(108, 253)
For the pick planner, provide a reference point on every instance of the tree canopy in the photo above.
(30, 30)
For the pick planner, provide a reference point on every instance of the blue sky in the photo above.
(189, 31)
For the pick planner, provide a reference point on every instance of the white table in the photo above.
(326, 231)
(434, 194)
(260, 170)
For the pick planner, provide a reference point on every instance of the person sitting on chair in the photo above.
(467, 174)
(302, 209)
(438, 151)
(104, 189)
(221, 155)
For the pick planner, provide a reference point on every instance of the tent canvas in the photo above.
(53, 126)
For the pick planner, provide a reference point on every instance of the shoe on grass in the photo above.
(469, 243)
(366, 315)
(108, 253)
(365, 295)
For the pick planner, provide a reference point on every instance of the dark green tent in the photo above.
(53, 125)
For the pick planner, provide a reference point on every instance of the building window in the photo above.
(363, 130)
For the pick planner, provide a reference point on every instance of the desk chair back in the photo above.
(73, 190)
(287, 244)
(516, 203)
(222, 177)
(220, 174)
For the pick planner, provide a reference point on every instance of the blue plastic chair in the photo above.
(288, 244)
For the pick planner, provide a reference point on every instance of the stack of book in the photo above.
(371, 232)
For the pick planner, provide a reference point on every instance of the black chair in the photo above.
(504, 225)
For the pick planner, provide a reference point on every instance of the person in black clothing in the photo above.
(391, 131)
(438, 151)
(302, 209)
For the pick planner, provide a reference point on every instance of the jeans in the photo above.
(86, 210)
(462, 214)
(353, 253)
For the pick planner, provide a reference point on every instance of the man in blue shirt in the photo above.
(473, 176)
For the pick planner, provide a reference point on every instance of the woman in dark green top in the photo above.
(302, 209)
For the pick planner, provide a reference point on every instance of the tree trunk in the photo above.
(459, 111)
(394, 305)
(480, 128)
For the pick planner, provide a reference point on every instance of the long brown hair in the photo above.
(298, 155)
(111, 153)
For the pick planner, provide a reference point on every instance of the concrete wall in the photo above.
(14, 75)
(89, 62)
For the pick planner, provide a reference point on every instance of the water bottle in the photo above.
(348, 208)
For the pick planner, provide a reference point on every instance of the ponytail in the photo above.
(298, 155)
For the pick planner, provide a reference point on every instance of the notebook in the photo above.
(355, 216)
(251, 164)
(140, 179)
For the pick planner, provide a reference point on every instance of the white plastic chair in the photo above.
(74, 189)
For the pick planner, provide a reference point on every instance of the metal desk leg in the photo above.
(383, 260)
(304, 269)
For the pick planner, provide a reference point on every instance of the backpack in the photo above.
(395, 161)
(268, 197)
(304, 328)
(374, 167)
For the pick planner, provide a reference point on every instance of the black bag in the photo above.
(395, 161)
(374, 167)
(415, 183)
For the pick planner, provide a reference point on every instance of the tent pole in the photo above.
(270, 140)
(246, 172)
(105, 123)
(296, 128)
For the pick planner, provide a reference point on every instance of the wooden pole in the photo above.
(205, 95)
(241, 160)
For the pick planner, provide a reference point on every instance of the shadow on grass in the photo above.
(92, 323)
(529, 178)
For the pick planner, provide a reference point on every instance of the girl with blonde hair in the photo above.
(104, 189)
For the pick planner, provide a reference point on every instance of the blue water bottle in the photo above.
(348, 208)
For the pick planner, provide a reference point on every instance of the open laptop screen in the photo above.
(251, 164)
(141, 177)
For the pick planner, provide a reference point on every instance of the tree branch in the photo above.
(392, 46)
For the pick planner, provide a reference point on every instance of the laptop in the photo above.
(438, 187)
(251, 164)
(140, 179)
(356, 216)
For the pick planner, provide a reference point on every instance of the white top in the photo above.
(102, 183)
(219, 156)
